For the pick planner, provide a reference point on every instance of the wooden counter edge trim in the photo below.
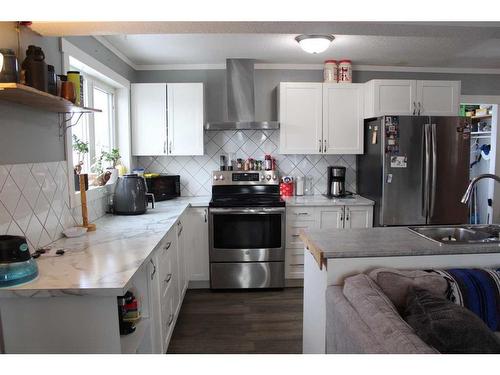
(316, 252)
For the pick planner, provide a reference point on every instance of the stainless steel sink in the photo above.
(460, 234)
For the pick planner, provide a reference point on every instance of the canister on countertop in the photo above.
(268, 164)
(299, 185)
(345, 71)
(330, 71)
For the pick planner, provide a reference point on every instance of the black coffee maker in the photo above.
(335, 181)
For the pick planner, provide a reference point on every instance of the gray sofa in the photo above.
(361, 319)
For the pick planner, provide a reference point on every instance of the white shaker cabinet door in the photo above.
(438, 98)
(343, 118)
(331, 217)
(185, 118)
(358, 217)
(300, 117)
(149, 118)
(197, 238)
(390, 97)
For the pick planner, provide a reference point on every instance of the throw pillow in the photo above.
(448, 327)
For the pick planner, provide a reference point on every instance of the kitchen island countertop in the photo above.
(321, 200)
(381, 242)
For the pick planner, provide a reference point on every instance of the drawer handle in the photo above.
(295, 235)
(169, 277)
(167, 246)
(301, 213)
(170, 319)
(297, 264)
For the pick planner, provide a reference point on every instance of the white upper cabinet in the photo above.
(301, 117)
(185, 118)
(439, 98)
(390, 97)
(318, 118)
(343, 118)
(167, 118)
(411, 97)
(149, 118)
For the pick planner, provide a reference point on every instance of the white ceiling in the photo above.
(422, 51)
(414, 44)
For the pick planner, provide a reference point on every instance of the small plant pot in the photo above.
(77, 181)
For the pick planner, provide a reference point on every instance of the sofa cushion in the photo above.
(397, 283)
(448, 327)
(391, 332)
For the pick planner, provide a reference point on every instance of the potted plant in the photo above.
(81, 148)
(112, 157)
(100, 176)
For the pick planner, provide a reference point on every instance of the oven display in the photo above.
(246, 177)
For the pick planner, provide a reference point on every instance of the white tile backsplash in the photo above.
(195, 171)
(34, 202)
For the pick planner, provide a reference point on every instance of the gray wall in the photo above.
(29, 135)
(267, 81)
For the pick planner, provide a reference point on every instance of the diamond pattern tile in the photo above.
(195, 171)
(34, 202)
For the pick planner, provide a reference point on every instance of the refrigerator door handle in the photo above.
(426, 171)
(434, 169)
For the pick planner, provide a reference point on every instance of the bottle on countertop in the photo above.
(268, 164)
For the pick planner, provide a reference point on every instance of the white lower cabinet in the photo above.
(197, 245)
(324, 218)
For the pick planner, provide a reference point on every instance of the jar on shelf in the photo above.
(330, 71)
(345, 71)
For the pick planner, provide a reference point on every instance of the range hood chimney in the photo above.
(240, 99)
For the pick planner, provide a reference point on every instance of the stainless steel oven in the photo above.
(247, 239)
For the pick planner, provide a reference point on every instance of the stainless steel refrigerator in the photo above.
(416, 169)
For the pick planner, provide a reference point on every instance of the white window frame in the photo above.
(121, 119)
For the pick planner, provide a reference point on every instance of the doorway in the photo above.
(483, 118)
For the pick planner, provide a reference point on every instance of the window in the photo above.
(98, 129)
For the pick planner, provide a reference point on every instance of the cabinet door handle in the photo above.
(154, 269)
(167, 246)
(206, 219)
(170, 147)
(324, 148)
(170, 319)
(348, 213)
(419, 108)
(164, 147)
(414, 108)
(181, 228)
(320, 144)
(168, 278)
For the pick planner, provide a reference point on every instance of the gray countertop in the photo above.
(103, 262)
(382, 242)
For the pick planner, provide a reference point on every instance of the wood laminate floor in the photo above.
(239, 322)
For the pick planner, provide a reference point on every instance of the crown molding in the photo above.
(115, 50)
(182, 67)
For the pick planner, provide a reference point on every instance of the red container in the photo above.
(286, 189)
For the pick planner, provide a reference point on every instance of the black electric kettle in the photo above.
(131, 196)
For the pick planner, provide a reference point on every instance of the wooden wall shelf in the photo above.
(26, 95)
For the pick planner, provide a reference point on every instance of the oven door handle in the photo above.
(261, 210)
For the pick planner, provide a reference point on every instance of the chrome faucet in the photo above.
(468, 193)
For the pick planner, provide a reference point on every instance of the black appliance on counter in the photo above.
(164, 186)
(131, 196)
(335, 182)
(246, 231)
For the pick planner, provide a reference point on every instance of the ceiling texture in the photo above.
(417, 44)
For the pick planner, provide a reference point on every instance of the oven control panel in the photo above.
(245, 178)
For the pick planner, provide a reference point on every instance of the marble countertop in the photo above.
(381, 242)
(104, 262)
(320, 200)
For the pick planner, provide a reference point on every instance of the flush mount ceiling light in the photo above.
(314, 43)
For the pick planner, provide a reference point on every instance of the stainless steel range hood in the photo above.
(240, 99)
